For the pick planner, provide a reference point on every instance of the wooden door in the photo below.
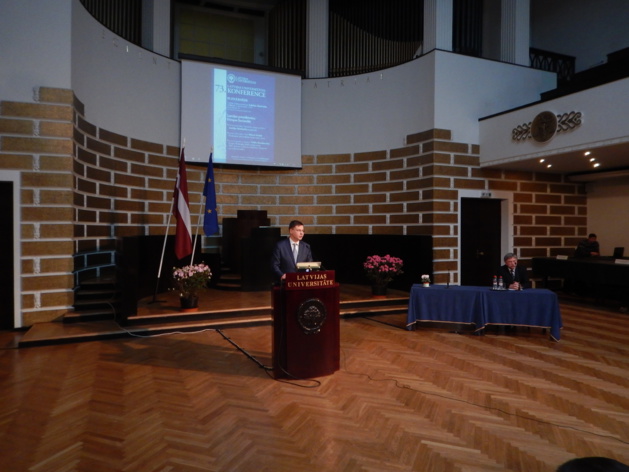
(6, 256)
(480, 240)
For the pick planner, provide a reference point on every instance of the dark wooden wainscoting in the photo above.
(345, 254)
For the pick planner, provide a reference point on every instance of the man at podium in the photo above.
(289, 251)
(306, 339)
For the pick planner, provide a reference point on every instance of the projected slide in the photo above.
(243, 116)
(244, 110)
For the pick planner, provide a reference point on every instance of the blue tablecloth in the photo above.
(482, 306)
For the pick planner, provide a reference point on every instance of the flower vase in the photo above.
(378, 291)
(189, 303)
(426, 284)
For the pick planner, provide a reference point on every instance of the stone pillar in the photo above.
(437, 25)
(156, 26)
(317, 39)
(514, 31)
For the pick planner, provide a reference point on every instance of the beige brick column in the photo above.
(36, 140)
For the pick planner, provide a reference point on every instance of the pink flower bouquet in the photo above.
(191, 279)
(381, 269)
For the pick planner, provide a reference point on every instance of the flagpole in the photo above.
(196, 234)
(161, 259)
(170, 215)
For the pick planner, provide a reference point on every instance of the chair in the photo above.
(619, 252)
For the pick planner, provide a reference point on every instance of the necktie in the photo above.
(295, 251)
(513, 274)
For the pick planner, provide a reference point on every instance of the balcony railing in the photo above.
(123, 18)
(561, 64)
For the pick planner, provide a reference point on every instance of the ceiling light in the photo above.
(597, 164)
(541, 160)
(592, 159)
(587, 153)
(549, 166)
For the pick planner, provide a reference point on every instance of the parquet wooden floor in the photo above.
(429, 400)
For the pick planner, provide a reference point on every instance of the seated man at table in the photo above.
(514, 276)
(588, 247)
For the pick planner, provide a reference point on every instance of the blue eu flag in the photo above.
(210, 220)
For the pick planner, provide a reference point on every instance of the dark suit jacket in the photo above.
(586, 248)
(521, 276)
(282, 260)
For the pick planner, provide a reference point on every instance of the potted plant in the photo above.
(190, 281)
(381, 270)
(426, 280)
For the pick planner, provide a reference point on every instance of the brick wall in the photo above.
(36, 140)
(83, 186)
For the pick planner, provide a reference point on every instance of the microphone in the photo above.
(448, 283)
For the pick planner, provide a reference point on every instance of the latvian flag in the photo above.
(181, 210)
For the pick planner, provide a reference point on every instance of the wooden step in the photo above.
(221, 309)
(95, 299)
(91, 314)
(229, 281)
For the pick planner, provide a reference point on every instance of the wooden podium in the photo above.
(306, 340)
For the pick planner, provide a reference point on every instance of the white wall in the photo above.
(129, 90)
(586, 29)
(604, 121)
(125, 89)
(608, 213)
(439, 90)
(367, 112)
(34, 47)
(468, 88)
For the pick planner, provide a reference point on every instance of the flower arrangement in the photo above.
(381, 269)
(425, 279)
(191, 279)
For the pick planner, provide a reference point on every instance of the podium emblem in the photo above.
(311, 315)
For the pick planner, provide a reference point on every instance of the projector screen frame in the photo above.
(279, 148)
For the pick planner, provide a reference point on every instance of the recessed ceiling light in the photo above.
(541, 160)
(587, 153)
(549, 166)
(597, 164)
(592, 159)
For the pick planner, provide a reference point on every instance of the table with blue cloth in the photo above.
(482, 306)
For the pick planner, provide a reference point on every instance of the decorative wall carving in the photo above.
(545, 125)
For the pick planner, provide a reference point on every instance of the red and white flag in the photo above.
(181, 210)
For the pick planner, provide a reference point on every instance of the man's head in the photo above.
(511, 260)
(591, 237)
(296, 230)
